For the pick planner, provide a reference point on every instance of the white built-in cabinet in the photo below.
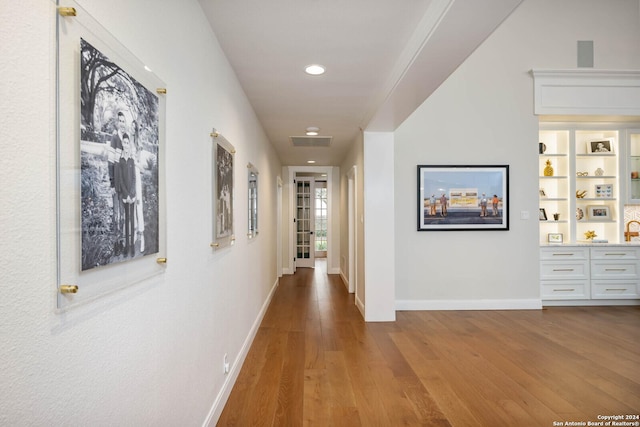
(595, 174)
(589, 187)
(594, 272)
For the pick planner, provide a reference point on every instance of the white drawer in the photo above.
(564, 270)
(601, 269)
(615, 289)
(551, 290)
(564, 253)
(615, 253)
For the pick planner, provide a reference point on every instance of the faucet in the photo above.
(627, 234)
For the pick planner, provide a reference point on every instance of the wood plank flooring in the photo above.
(315, 362)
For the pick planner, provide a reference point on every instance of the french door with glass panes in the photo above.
(305, 242)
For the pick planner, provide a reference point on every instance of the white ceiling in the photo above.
(383, 59)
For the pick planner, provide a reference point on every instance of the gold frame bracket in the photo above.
(67, 11)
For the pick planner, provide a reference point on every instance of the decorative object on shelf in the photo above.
(462, 197)
(600, 147)
(599, 172)
(581, 193)
(582, 173)
(598, 213)
(556, 216)
(548, 170)
(590, 235)
(579, 214)
(543, 193)
(542, 147)
(554, 238)
(542, 215)
(604, 191)
(634, 175)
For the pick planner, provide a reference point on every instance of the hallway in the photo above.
(315, 362)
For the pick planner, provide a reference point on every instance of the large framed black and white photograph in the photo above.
(119, 162)
(463, 197)
(223, 191)
(110, 164)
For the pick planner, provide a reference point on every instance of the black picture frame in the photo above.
(543, 215)
(464, 197)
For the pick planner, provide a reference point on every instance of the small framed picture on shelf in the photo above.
(602, 146)
(554, 238)
(604, 191)
(598, 213)
(543, 215)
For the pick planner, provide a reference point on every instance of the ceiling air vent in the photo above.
(310, 141)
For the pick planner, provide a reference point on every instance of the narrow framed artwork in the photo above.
(223, 191)
(109, 164)
(252, 201)
(463, 197)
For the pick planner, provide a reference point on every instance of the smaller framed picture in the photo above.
(554, 238)
(604, 191)
(543, 214)
(601, 146)
(598, 213)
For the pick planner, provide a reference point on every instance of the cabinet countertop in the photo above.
(567, 245)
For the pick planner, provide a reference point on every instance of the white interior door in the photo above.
(305, 222)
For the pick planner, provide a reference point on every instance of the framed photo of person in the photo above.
(598, 213)
(223, 191)
(111, 222)
(601, 146)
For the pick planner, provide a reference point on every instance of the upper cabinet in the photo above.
(633, 139)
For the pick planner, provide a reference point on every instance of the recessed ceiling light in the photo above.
(312, 131)
(311, 161)
(314, 69)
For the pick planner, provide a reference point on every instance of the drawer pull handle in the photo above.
(614, 254)
(564, 290)
(563, 269)
(616, 289)
(563, 254)
(615, 269)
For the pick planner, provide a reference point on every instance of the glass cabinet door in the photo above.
(634, 166)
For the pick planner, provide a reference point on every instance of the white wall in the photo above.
(152, 353)
(355, 157)
(483, 114)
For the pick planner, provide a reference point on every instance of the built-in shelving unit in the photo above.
(582, 193)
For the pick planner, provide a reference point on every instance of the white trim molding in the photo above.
(481, 304)
(586, 92)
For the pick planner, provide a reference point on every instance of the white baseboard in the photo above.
(223, 396)
(286, 271)
(334, 270)
(360, 306)
(482, 304)
(344, 280)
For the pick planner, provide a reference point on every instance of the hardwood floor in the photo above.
(315, 362)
